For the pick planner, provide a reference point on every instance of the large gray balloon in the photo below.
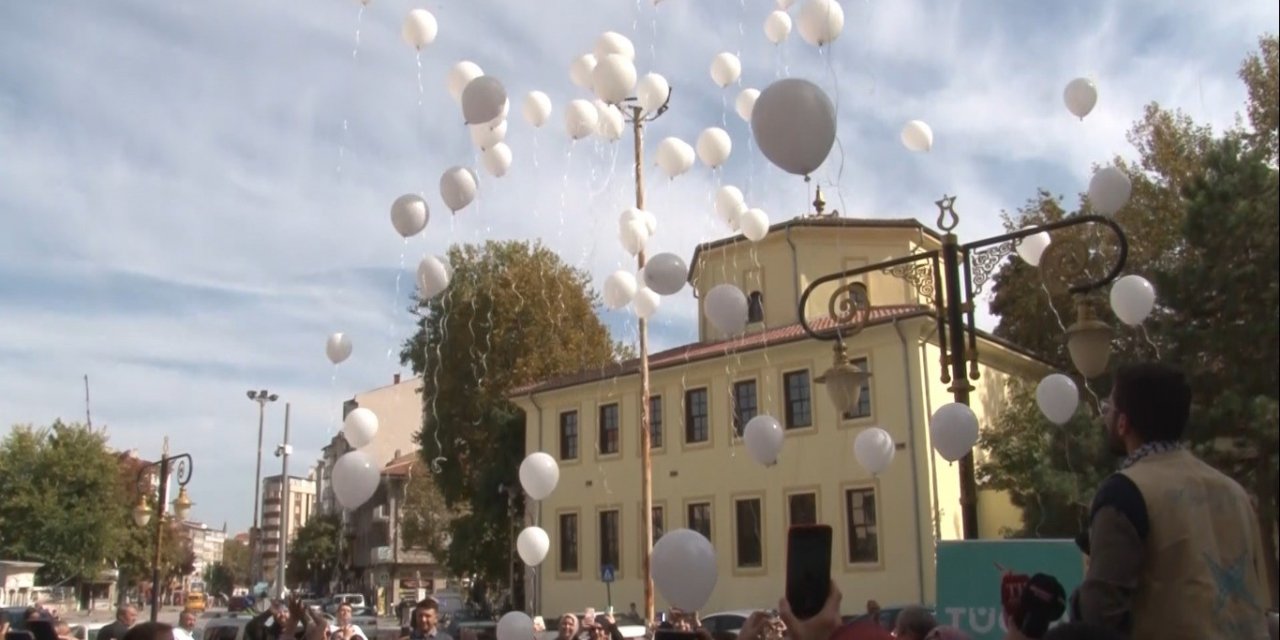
(794, 124)
(482, 100)
(665, 273)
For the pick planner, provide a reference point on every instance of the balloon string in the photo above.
(1142, 328)
(355, 52)
(395, 303)
(1097, 403)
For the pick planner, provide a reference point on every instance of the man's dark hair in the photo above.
(1082, 631)
(1155, 398)
(429, 604)
(916, 621)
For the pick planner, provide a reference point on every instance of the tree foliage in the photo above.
(1202, 225)
(513, 314)
(313, 554)
(237, 560)
(219, 579)
(60, 503)
(136, 555)
(425, 516)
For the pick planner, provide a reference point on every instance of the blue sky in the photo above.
(192, 197)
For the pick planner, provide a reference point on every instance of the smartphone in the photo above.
(808, 569)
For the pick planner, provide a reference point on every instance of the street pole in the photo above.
(262, 397)
(160, 508)
(950, 278)
(286, 510)
(646, 459)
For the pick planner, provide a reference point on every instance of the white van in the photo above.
(356, 600)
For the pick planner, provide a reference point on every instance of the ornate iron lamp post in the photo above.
(180, 466)
(950, 278)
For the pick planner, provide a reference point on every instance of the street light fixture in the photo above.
(950, 279)
(181, 467)
(262, 397)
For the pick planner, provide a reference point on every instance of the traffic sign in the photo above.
(606, 573)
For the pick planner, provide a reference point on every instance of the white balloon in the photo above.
(652, 92)
(338, 348)
(745, 103)
(434, 275)
(730, 205)
(581, 69)
(483, 100)
(1080, 96)
(675, 156)
(419, 29)
(359, 427)
(726, 309)
(633, 214)
(613, 78)
(714, 146)
(954, 430)
(874, 450)
(634, 236)
(1109, 190)
(646, 303)
(532, 545)
(754, 224)
(409, 215)
(516, 625)
(1058, 397)
(581, 119)
(619, 289)
(1032, 247)
(777, 26)
(1132, 299)
(458, 188)
(537, 108)
(764, 437)
(497, 159)
(666, 273)
(820, 21)
(460, 76)
(609, 121)
(612, 42)
(684, 569)
(725, 68)
(917, 135)
(794, 124)
(486, 135)
(539, 475)
(355, 479)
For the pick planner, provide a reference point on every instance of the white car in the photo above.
(728, 621)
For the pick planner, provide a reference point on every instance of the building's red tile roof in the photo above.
(707, 350)
(400, 466)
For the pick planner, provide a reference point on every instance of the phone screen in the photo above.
(808, 569)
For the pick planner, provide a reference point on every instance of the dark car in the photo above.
(887, 618)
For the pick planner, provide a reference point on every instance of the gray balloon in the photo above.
(665, 273)
(794, 124)
(482, 100)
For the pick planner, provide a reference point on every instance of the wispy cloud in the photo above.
(191, 200)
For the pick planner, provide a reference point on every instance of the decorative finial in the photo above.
(818, 203)
(947, 207)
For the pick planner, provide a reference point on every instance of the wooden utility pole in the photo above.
(646, 460)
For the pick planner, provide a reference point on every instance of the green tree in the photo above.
(59, 500)
(236, 559)
(1202, 223)
(425, 515)
(1222, 299)
(513, 314)
(313, 554)
(136, 555)
(219, 579)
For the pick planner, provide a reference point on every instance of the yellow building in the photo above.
(703, 478)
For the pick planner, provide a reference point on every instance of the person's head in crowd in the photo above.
(1150, 402)
(568, 626)
(1043, 602)
(127, 615)
(539, 624)
(873, 609)
(42, 629)
(914, 623)
(343, 614)
(187, 620)
(426, 615)
(63, 630)
(32, 614)
(149, 631)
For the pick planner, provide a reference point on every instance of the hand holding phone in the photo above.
(808, 569)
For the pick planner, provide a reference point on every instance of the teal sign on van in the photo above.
(969, 574)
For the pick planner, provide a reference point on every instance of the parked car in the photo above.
(88, 631)
(726, 621)
(887, 618)
(229, 627)
(356, 600)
